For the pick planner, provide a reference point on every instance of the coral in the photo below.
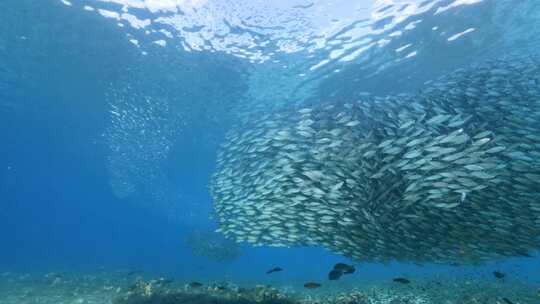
(434, 291)
(199, 298)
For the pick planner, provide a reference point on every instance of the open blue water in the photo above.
(111, 114)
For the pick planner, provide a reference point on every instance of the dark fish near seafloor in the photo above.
(275, 269)
(499, 275)
(507, 301)
(401, 280)
(335, 274)
(346, 269)
(341, 266)
(312, 285)
(195, 284)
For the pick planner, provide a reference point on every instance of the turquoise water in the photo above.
(112, 114)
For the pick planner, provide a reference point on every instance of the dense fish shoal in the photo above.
(450, 174)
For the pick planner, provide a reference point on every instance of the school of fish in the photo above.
(448, 175)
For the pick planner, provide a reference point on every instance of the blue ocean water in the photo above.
(112, 112)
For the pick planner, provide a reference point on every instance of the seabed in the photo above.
(125, 288)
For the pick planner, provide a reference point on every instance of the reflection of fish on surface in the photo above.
(382, 178)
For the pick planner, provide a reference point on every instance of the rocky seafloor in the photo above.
(124, 287)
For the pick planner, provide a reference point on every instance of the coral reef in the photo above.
(122, 288)
(215, 294)
(421, 292)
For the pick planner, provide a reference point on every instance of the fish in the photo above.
(438, 119)
(312, 285)
(275, 269)
(524, 254)
(345, 268)
(401, 280)
(335, 274)
(498, 274)
(507, 301)
(420, 163)
(341, 266)
(195, 284)
(350, 270)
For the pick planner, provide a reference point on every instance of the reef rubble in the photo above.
(121, 287)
